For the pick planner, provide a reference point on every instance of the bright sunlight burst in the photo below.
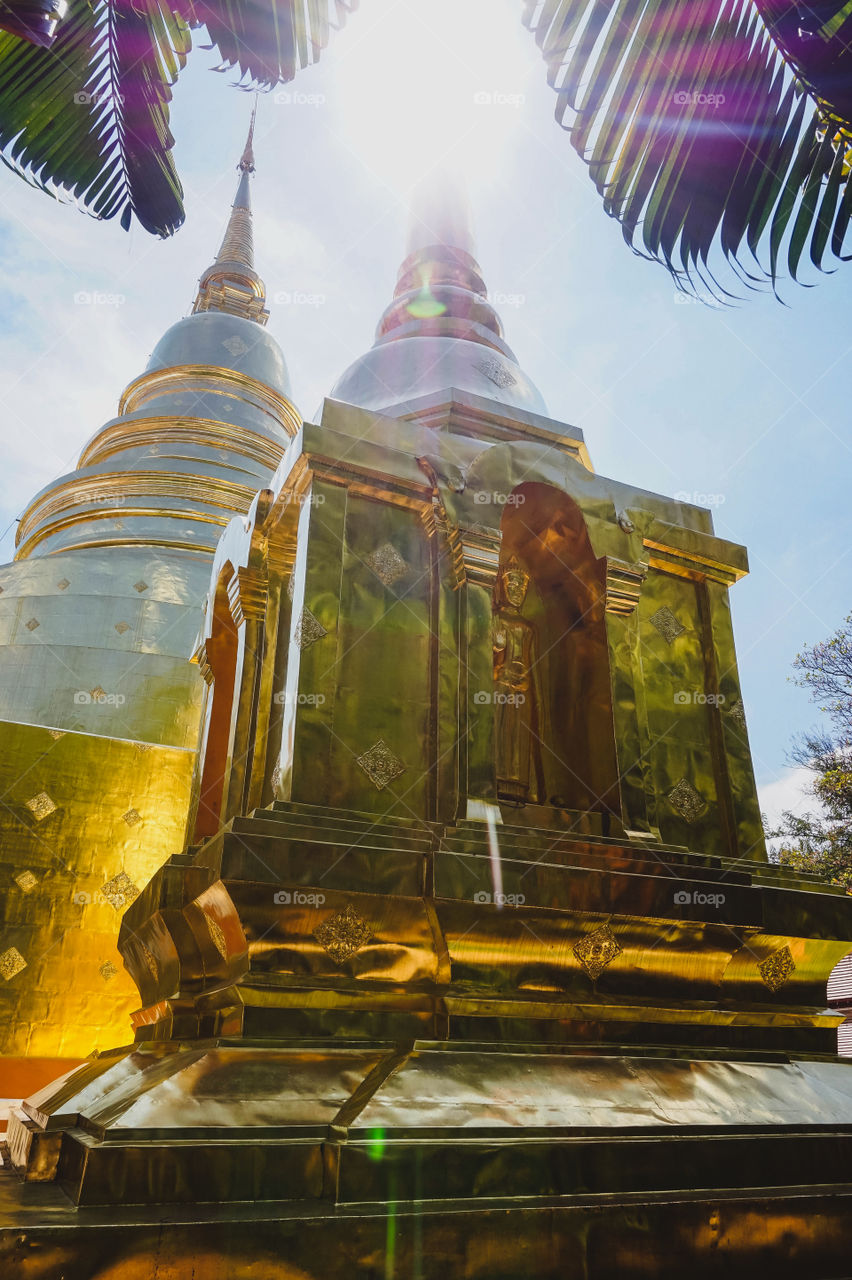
(437, 84)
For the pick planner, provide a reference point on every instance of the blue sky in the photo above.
(746, 405)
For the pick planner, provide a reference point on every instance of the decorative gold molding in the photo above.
(623, 585)
(476, 555)
(248, 592)
(178, 379)
(691, 564)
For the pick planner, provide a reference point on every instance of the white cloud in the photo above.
(789, 791)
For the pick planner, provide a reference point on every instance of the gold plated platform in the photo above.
(472, 963)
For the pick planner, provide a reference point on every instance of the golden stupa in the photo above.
(473, 963)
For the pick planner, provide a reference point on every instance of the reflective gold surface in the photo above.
(443, 983)
(100, 707)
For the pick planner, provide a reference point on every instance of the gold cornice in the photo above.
(213, 433)
(691, 564)
(368, 483)
(159, 381)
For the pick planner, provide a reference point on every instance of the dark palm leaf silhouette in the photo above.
(718, 132)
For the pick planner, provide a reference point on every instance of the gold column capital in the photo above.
(247, 595)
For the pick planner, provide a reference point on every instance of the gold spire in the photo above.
(231, 284)
(440, 289)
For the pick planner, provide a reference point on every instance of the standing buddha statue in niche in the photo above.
(516, 718)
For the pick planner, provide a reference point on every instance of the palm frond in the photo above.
(699, 138)
(267, 40)
(87, 118)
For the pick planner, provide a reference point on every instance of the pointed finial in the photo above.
(246, 164)
(231, 284)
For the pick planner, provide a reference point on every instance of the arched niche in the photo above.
(543, 528)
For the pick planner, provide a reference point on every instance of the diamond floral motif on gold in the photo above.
(11, 963)
(26, 881)
(235, 345)
(343, 934)
(107, 970)
(41, 806)
(778, 968)
(308, 629)
(387, 564)
(217, 935)
(667, 624)
(380, 765)
(598, 949)
(689, 803)
(132, 817)
(737, 713)
(120, 891)
(496, 373)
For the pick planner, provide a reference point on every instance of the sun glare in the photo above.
(428, 84)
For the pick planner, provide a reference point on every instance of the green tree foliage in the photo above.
(823, 842)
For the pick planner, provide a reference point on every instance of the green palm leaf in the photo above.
(87, 118)
(703, 125)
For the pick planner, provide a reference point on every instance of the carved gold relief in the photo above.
(737, 713)
(308, 629)
(150, 961)
(496, 373)
(689, 803)
(598, 949)
(515, 645)
(235, 345)
(380, 765)
(667, 624)
(120, 891)
(778, 968)
(11, 963)
(217, 935)
(41, 806)
(343, 934)
(387, 564)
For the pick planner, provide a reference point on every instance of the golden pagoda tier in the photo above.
(473, 963)
(99, 708)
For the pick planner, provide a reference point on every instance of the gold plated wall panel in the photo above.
(90, 819)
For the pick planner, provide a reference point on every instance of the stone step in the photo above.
(339, 831)
(319, 812)
(239, 1163)
(460, 839)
